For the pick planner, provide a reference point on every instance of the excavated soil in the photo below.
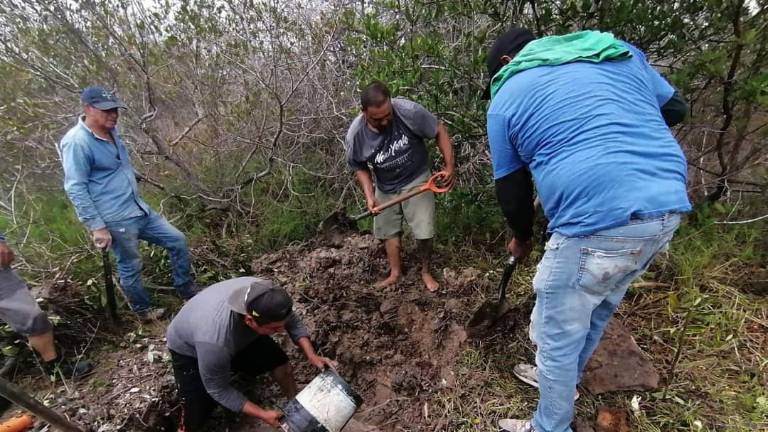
(400, 348)
(396, 346)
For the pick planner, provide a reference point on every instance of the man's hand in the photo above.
(271, 417)
(447, 177)
(102, 238)
(323, 362)
(371, 203)
(519, 249)
(6, 256)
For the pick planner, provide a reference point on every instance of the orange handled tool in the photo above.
(17, 424)
(430, 185)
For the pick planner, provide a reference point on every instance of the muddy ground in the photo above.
(396, 346)
(402, 348)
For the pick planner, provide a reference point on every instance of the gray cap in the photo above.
(263, 300)
(242, 296)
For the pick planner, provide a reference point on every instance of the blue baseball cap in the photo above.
(101, 99)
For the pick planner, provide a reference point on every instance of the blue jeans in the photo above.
(579, 284)
(156, 230)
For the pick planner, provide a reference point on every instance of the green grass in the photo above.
(720, 382)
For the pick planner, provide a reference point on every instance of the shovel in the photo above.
(491, 310)
(340, 221)
(109, 287)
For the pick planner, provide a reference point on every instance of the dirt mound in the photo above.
(403, 349)
(398, 346)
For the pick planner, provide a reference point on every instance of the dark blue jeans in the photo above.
(156, 230)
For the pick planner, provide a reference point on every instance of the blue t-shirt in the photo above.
(593, 137)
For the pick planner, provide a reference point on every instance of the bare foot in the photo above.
(391, 280)
(430, 282)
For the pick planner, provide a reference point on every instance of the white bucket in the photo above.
(325, 405)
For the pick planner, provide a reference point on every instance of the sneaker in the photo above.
(529, 374)
(151, 314)
(511, 425)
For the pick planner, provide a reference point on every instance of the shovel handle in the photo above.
(430, 185)
(389, 204)
(109, 287)
(509, 268)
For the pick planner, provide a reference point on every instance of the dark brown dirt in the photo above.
(612, 420)
(399, 347)
(395, 346)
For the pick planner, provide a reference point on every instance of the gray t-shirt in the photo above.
(206, 328)
(397, 154)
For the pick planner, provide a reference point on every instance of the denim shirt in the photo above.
(99, 178)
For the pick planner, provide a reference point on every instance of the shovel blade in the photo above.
(486, 316)
(337, 225)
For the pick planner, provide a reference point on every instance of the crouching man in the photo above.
(226, 328)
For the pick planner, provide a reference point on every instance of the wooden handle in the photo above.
(406, 196)
(17, 424)
(22, 399)
(109, 287)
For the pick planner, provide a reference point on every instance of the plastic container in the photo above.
(325, 405)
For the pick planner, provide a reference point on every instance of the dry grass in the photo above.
(704, 299)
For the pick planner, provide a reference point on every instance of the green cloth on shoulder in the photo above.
(590, 46)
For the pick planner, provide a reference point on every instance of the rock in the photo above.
(358, 426)
(619, 364)
(612, 420)
(468, 277)
(447, 378)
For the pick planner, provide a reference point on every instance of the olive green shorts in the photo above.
(418, 211)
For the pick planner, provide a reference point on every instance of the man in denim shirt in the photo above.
(101, 183)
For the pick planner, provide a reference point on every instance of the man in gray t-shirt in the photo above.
(226, 329)
(386, 143)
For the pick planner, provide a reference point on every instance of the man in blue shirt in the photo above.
(101, 183)
(585, 118)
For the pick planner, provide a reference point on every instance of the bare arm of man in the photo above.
(446, 148)
(366, 183)
(309, 352)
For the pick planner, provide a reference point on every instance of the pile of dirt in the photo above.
(399, 346)
(396, 346)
